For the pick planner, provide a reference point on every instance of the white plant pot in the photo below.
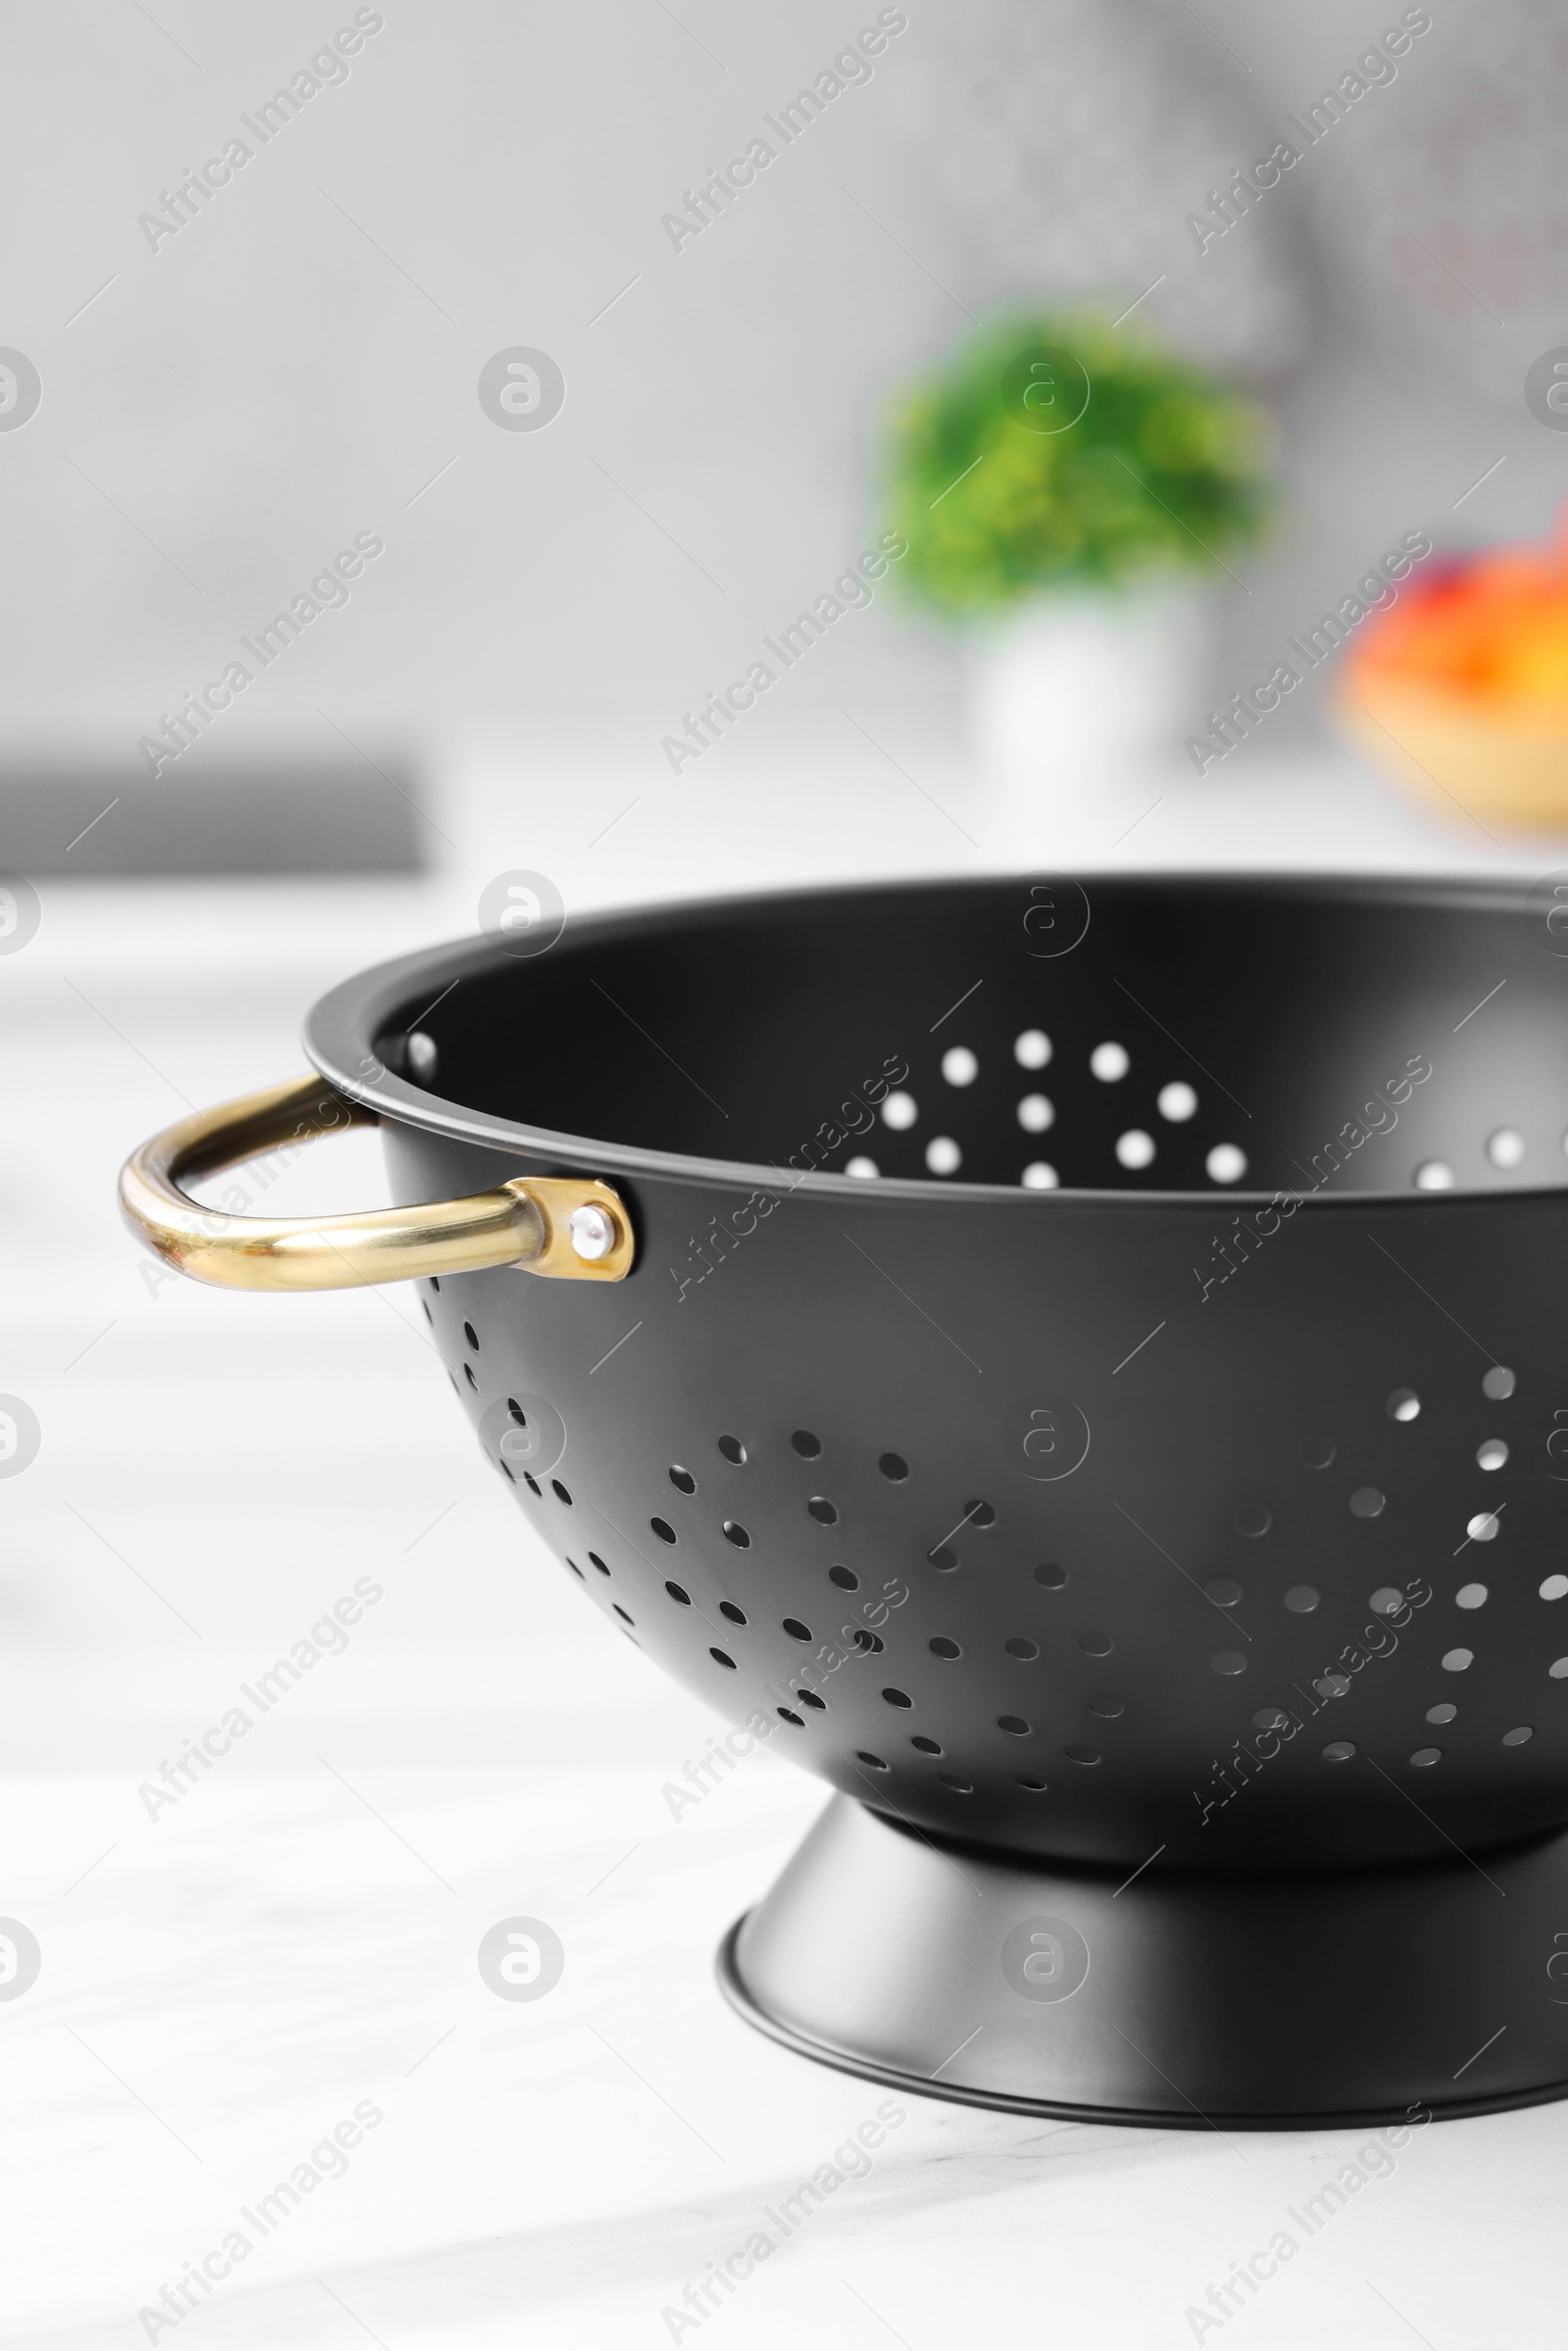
(1075, 694)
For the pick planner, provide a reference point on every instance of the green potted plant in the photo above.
(1070, 490)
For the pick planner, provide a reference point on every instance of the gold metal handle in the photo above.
(574, 1228)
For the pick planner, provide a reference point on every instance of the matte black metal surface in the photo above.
(799, 1468)
(1366, 1996)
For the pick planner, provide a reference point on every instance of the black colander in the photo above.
(1090, 1387)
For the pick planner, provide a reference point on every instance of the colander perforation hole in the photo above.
(468, 1373)
(424, 1309)
(1441, 1714)
(1032, 1049)
(1302, 1599)
(1111, 1062)
(736, 1533)
(662, 1529)
(435, 1283)
(1518, 1736)
(1020, 1645)
(808, 1698)
(1491, 1455)
(807, 1445)
(733, 1450)
(682, 1479)
(1087, 1757)
(868, 1642)
(959, 1066)
(471, 1336)
(1368, 1501)
(787, 1714)
(1424, 1759)
(898, 1697)
(1403, 1405)
(1105, 1708)
(1555, 1587)
(599, 1563)
(559, 1493)
(942, 1646)
(893, 1468)
(736, 1616)
(1253, 1520)
(979, 1514)
(720, 1658)
(682, 1599)
(822, 1510)
(1471, 1596)
(845, 1578)
(1036, 1787)
(796, 1629)
(1338, 1750)
(864, 1755)
(1096, 1644)
(530, 1480)
(944, 1557)
(1498, 1384)
(1317, 1452)
(959, 1787)
(1014, 1725)
(927, 1747)
(620, 1611)
(577, 1571)
(1051, 1576)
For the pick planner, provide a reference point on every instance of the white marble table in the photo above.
(296, 1938)
(223, 1990)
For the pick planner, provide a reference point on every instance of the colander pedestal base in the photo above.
(1364, 1996)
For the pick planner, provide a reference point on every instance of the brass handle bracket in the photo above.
(571, 1228)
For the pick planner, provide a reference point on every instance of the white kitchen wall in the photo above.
(299, 363)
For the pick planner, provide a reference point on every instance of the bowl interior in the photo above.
(1181, 1035)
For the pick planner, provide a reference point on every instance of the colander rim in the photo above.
(340, 1030)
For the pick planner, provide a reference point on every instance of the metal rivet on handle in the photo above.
(593, 1232)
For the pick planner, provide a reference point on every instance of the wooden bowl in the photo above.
(1466, 762)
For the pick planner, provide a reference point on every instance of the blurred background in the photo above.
(589, 430)
(456, 435)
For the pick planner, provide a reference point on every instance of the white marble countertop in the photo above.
(297, 1939)
(288, 1950)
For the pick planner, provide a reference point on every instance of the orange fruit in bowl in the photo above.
(1463, 684)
